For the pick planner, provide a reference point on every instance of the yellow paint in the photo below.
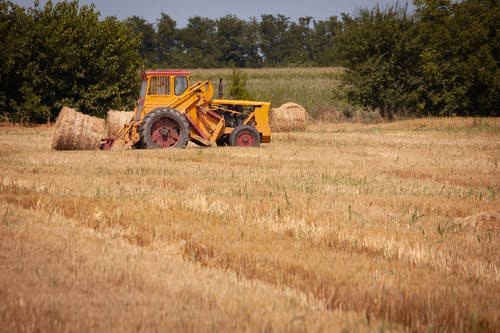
(168, 89)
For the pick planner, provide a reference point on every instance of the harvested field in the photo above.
(342, 227)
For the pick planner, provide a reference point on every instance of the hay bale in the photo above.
(116, 119)
(75, 131)
(288, 117)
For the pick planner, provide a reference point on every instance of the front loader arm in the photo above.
(199, 94)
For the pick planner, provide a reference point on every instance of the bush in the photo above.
(460, 63)
(64, 55)
(379, 54)
(238, 89)
(441, 61)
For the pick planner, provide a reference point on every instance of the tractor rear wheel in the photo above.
(164, 128)
(244, 136)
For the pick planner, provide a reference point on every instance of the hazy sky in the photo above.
(181, 10)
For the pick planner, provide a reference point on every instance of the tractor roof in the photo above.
(164, 72)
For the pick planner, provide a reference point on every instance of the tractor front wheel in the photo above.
(164, 128)
(244, 136)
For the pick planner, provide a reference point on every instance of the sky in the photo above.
(182, 10)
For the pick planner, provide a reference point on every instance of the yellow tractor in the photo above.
(170, 112)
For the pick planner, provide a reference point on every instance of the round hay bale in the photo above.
(75, 131)
(116, 119)
(288, 117)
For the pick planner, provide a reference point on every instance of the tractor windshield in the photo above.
(181, 84)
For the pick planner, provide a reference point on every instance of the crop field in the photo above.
(314, 88)
(339, 228)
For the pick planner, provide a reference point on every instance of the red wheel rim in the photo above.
(165, 132)
(245, 139)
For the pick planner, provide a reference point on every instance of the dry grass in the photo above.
(341, 227)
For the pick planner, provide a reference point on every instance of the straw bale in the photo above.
(116, 119)
(75, 131)
(288, 117)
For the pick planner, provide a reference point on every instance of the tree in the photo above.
(149, 48)
(167, 41)
(14, 56)
(442, 61)
(251, 40)
(300, 42)
(322, 41)
(378, 50)
(274, 43)
(238, 88)
(460, 63)
(196, 44)
(236, 41)
(66, 56)
(110, 80)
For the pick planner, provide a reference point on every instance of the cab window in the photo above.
(181, 84)
(159, 85)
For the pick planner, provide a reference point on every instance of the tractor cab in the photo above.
(160, 88)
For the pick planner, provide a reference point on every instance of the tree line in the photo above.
(441, 59)
(274, 40)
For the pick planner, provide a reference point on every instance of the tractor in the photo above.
(170, 112)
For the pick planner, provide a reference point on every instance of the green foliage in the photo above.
(274, 39)
(441, 61)
(66, 56)
(238, 89)
(149, 51)
(460, 63)
(377, 49)
(15, 51)
(236, 42)
(196, 43)
(301, 42)
(232, 42)
(322, 41)
(167, 40)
